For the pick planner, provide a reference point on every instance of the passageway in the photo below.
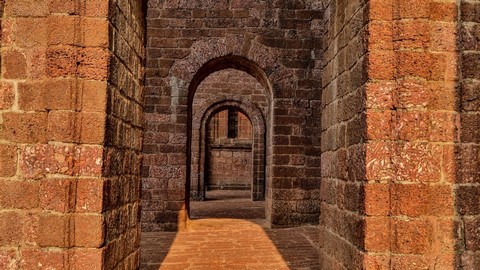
(228, 204)
(228, 231)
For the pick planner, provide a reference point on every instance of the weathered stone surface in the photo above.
(368, 111)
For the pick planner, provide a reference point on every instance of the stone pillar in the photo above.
(468, 150)
(412, 66)
(57, 193)
(388, 170)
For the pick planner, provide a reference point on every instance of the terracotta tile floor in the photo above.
(227, 232)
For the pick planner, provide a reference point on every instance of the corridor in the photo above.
(227, 232)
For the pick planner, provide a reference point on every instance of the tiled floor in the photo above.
(227, 232)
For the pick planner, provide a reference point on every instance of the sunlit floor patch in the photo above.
(230, 243)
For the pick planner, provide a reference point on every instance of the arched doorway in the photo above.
(228, 139)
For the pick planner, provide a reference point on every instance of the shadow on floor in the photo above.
(228, 232)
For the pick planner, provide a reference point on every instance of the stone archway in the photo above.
(261, 127)
(175, 68)
(197, 188)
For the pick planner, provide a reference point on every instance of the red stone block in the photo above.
(27, 8)
(378, 161)
(381, 65)
(30, 32)
(379, 125)
(376, 261)
(411, 34)
(412, 93)
(95, 8)
(83, 258)
(63, 126)
(95, 32)
(39, 259)
(7, 95)
(443, 11)
(38, 160)
(90, 195)
(8, 160)
(57, 195)
(47, 95)
(36, 62)
(93, 63)
(94, 96)
(411, 236)
(412, 125)
(447, 232)
(54, 230)
(443, 37)
(92, 127)
(90, 160)
(14, 64)
(444, 66)
(381, 10)
(379, 95)
(442, 95)
(377, 199)
(409, 262)
(89, 230)
(19, 194)
(11, 227)
(421, 200)
(24, 127)
(417, 162)
(377, 234)
(381, 35)
(62, 6)
(449, 165)
(413, 9)
(9, 259)
(61, 61)
(415, 64)
(444, 126)
(62, 30)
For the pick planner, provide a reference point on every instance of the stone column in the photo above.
(57, 193)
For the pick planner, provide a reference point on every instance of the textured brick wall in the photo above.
(230, 168)
(51, 134)
(271, 40)
(391, 118)
(124, 125)
(468, 150)
(422, 63)
(63, 206)
(343, 134)
(229, 84)
(229, 159)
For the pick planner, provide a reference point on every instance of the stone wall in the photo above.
(51, 137)
(229, 156)
(230, 168)
(468, 150)
(399, 124)
(395, 194)
(270, 40)
(124, 137)
(229, 84)
(59, 209)
(344, 78)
